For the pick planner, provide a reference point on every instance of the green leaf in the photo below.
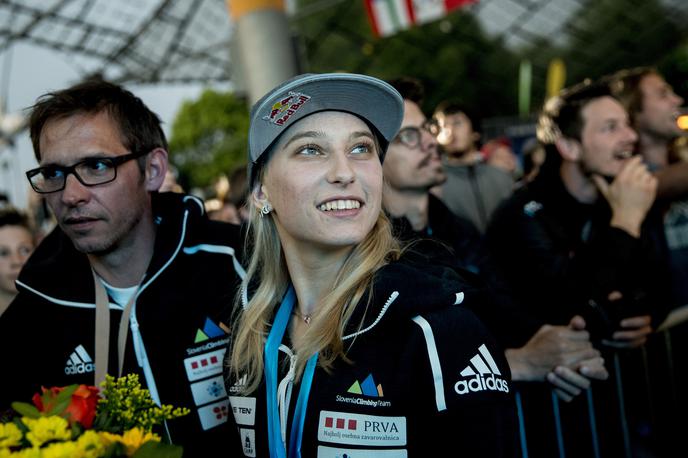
(153, 449)
(26, 410)
(62, 400)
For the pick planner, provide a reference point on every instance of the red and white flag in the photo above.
(390, 16)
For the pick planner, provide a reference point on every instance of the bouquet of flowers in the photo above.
(85, 421)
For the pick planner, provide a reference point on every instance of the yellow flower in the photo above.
(27, 453)
(44, 429)
(91, 444)
(10, 435)
(132, 439)
(62, 450)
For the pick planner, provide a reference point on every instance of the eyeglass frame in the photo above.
(430, 126)
(116, 161)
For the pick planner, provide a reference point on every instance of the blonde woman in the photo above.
(342, 345)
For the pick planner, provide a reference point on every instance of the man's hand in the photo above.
(570, 382)
(549, 347)
(630, 195)
(633, 332)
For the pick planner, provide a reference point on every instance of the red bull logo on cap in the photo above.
(283, 109)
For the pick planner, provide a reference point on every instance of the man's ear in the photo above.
(569, 148)
(156, 168)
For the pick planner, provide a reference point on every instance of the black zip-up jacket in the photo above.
(426, 378)
(561, 257)
(454, 241)
(175, 343)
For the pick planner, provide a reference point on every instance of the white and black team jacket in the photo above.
(176, 341)
(426, 379)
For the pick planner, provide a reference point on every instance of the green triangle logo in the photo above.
(200, 336)
(355, 388)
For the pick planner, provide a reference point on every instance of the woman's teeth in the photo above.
(339, 205)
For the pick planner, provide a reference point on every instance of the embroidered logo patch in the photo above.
(367, 430)
(367, 388)
(205, 365)
(283, 109)
(210, 330)
(244, 409)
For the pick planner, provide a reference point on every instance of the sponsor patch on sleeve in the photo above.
(205, 365)
(248, 441)
(209, 390)
(213, 414)
(244, 410)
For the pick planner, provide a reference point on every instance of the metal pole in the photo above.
(266, 55)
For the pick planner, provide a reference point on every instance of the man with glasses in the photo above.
(473, 188)
(535, 351)
(131, 281)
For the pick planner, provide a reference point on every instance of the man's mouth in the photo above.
(623, 155)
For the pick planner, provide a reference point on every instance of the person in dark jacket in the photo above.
(131, 281)
(583, 237)
(535, 351)
(342, 346)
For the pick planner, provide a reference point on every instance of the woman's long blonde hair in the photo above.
(268, 270)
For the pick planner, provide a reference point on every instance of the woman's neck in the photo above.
(313, 274)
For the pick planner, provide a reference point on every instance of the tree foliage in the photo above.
(209, 137)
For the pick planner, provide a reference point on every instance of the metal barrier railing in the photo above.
(638, 412)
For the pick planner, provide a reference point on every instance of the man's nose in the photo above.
(74, 191)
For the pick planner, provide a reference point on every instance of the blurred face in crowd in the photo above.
(660, 108)
(607, 140)
(456, 133)
(412, 160)
(16, 244)
(324, 182)
(98, 219)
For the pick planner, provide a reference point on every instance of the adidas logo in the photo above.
(79, 362)
(482, 374)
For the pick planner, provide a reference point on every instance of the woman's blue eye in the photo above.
(309, 150)
(361, 149)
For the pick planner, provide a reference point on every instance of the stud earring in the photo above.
(265, 209)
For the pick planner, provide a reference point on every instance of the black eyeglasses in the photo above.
(410, 136)
(91, 171)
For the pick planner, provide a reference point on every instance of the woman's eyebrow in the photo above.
(305, 134)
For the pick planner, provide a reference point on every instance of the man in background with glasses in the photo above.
(533, 349)
(131, 281)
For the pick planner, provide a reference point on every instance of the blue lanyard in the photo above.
(279, 327)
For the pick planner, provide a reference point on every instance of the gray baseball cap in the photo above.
(371, 99)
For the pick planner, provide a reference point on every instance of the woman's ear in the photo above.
(569, 148)
(156, 168)
(259, 196)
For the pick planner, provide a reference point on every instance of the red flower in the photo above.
(81, 408)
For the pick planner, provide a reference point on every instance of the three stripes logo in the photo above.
(482, 374)
(79, 362)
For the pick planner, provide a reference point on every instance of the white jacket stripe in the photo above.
(438, 380)
(218, 249)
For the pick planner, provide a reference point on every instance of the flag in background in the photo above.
(388, 17)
